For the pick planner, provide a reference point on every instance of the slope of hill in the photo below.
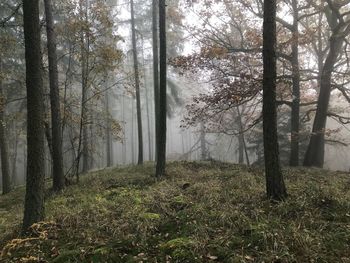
(201, 212)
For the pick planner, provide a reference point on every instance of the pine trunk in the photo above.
(34, 198)
(109, 148)
(203, 143)
(155, 70)
(5, 166)
(162, 112)
(295, 122)
(56, 130)
(275, 187)
(137, 85)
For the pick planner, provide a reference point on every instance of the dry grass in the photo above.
(202, 212)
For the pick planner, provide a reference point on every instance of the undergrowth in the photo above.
(201, 212)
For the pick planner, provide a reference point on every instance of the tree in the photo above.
(155, 67)
(137, 84)
(275, 187)
(34, 199)
(84, 116)
(5, 169)
(56, 130)
(340, 29)
(295, 107)
(162, 113)
(109, 144)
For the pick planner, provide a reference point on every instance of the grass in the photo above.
(202, 212)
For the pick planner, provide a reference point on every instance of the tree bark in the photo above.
(203, 143)
(109, 148)
(295, 116)
(83, 145)
(242, 141)
(34, 198)
(132, 131)
(149, 133)
(137, 85)
(124, 159)
(84, 106)
(14, 156)
(161, 135)
(275, 186)
(56, 130)
(5, 166)
(155, 70)
(240, 149)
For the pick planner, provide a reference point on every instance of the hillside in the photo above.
(202, 212)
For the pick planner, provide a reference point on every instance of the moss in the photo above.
(177, 243)
(150, 216)
(180, 249)
(67, 256)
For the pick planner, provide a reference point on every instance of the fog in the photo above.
(212, 47)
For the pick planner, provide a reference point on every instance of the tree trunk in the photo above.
(14, 156)
(242, 140)
(161, 133)
(48, 137)
(150, 157)
(240, 149)
(124, 159)
(132, 131)
(155, 70)
(137, 85)
(203, 143)
(5, 166)
(315, 152)
(57, 159)
(84, 123)
(91, 142)
(275, 186)
(295, 122)
(83, 149)
(34, 199)
(109, 148)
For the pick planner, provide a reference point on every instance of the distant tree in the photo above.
(275, 186)
(83, 148)
(155, 51)
(340, 28)
(109, 145)
(56, 130)
(161, 143)
(295, 107)
(137, 84)
(5, 166)
(34, 199)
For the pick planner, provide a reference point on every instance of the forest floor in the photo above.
(201, 212)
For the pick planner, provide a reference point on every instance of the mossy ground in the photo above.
(201, 212)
